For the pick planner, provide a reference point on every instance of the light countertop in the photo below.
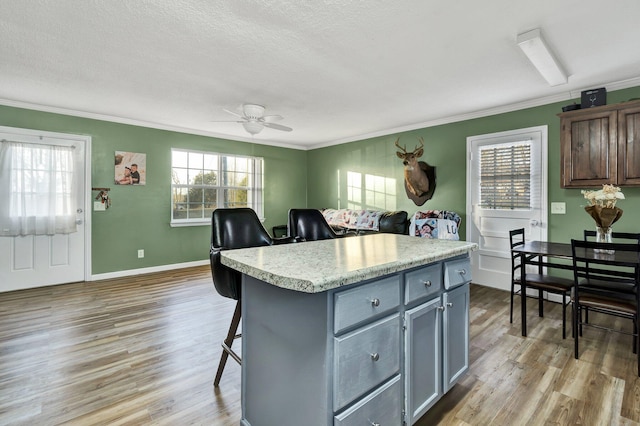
(317, 266)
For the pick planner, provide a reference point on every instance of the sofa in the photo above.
(367, 221)
(437, 224)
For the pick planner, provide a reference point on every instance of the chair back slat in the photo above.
(621, 267)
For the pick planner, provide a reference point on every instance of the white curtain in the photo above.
(37, 189)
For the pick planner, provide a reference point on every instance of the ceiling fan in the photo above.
(253, 119)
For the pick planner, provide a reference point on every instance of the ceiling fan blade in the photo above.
(277, 127)
(233, 113)
(272, 118)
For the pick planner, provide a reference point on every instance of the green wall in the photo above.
(139, 216)
(445, 148)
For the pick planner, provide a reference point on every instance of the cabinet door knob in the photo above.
(427, 283)
(462, 271)
(374, 423)
(449, 304)
(375, 302)
(375, 356)
(440, 308)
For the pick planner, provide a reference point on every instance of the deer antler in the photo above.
(404, 149)
(421, 144)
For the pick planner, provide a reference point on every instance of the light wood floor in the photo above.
(143, 350)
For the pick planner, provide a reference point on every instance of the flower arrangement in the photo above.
(602, 205)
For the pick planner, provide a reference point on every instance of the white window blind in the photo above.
(505, 176)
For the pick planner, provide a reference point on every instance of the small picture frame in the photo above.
(593, 98)
(130, 168)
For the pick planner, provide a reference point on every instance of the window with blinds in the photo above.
(505, 176)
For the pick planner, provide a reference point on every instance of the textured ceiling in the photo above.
(336, 70)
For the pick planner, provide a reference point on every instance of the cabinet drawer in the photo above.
(366, 301)
(422, 282)
(365, 358)
(382, 407)
(457, 272)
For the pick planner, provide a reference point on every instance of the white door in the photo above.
(42, 260)
(506, 189)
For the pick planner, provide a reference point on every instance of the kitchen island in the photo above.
(369, 329)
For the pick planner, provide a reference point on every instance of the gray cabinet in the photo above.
(455, 335)
(382, 351)
(423, 352)
(371, 354)
(436, 337)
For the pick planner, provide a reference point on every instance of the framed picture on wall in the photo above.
(131, 168)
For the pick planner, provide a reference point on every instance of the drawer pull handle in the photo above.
(375, 356)
(374, 423)
(375, 302)
(440, 308)
(462, 271)
(449, 305)
(427, 283)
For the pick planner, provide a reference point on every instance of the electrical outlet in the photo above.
(558, 208)
(140, 253)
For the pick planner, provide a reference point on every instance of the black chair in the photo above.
(234, 229)
(540, 281)
(606, 283)
(617, 237)
(310, 225)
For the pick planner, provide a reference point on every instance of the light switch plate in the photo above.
(558, 208)
(98, 206)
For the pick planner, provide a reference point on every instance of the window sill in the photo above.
(181, 224)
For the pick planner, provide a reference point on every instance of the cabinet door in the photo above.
(588, 149)
(455, 335)
(629, 146)
(423, 373)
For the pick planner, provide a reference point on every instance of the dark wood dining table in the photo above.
(550, 251)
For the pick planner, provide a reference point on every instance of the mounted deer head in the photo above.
(419, 177)
(415, 178)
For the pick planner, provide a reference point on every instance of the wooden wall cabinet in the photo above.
(600, 145)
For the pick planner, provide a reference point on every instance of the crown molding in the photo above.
(618, 85)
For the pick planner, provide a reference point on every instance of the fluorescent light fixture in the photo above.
(533, 45)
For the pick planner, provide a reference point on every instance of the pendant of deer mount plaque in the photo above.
(419, 177)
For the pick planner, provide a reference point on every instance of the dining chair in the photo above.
(310, 225)
(606, 283)
(618, 237)
(234, 228)
(538, 281)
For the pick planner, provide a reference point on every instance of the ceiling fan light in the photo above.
(252, 127)
(253, 111)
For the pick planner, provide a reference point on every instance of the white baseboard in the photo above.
(161, 268)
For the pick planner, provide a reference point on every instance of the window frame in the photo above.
(254, 188)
